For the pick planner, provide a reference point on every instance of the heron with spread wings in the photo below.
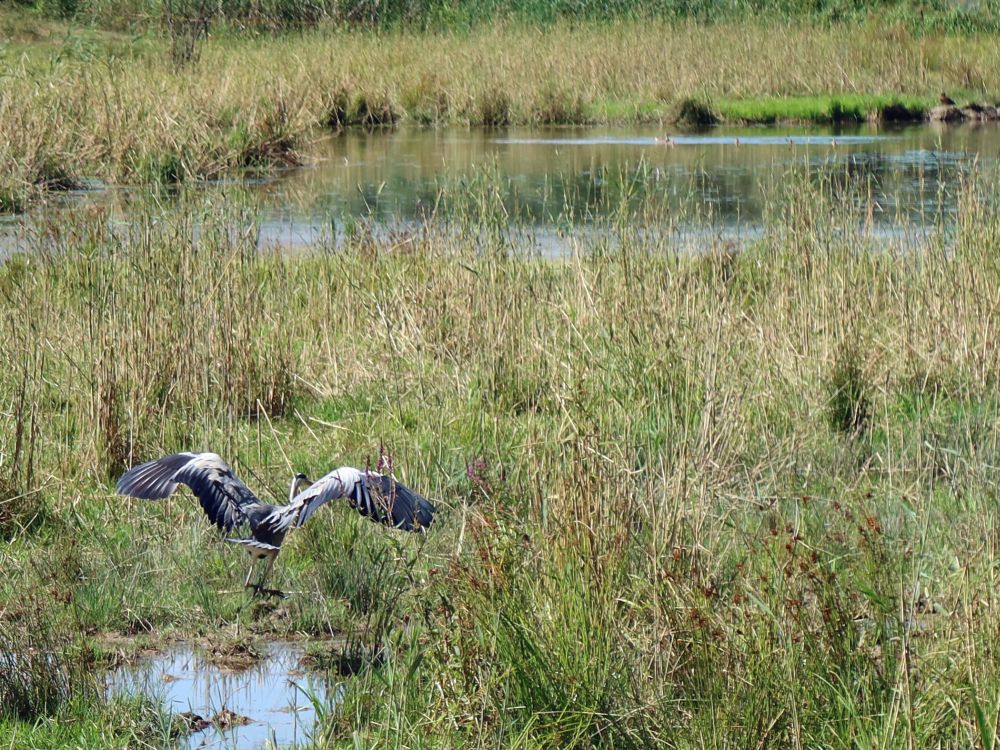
(230, 504)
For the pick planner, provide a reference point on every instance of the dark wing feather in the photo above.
(153, 480)
(385, 500)
(222, 495)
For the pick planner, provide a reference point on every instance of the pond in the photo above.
(548, 179)
(266, 704)
(551, 173)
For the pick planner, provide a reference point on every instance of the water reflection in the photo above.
(580, 174)
(557, 178)
(270, 694)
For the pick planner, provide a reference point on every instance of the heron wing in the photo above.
(394, 504)
(332, 486)
(379, 497)
(222, 494)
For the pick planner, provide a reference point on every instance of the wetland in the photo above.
(709, 415)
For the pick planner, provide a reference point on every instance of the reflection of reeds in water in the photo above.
(550, 179)
(250, 702)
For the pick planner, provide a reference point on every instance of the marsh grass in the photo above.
(685, 500)
(35, 679)
(49, 694)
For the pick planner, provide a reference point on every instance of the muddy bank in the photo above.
(971, 112)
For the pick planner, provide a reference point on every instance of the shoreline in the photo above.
(124, 111)
(296, 152)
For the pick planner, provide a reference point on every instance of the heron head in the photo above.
(300, 482)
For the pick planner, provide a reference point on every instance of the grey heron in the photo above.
(230, 504)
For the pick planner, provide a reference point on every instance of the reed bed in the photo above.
(737, 498)
(124, 111)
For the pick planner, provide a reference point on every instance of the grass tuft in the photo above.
(850, 400)
(11, 201)
(694, 113)
(164, 169)
(50, 174)
(36, 679)
(372, 111)
(492, 109)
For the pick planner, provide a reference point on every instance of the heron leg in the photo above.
(246, 583)
(259, 586)
(267, 569)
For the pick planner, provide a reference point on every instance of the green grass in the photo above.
(118, 724)
(612, 110)
(685, 501)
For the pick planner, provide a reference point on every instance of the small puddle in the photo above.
(272, 694)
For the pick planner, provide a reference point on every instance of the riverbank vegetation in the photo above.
(78, 106)
(741, 497)
(846, 108)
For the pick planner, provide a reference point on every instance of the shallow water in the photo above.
(552, 178)
(555, 176)
(270, 693)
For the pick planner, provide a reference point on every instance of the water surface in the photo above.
(271, 693)
(553, 178)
